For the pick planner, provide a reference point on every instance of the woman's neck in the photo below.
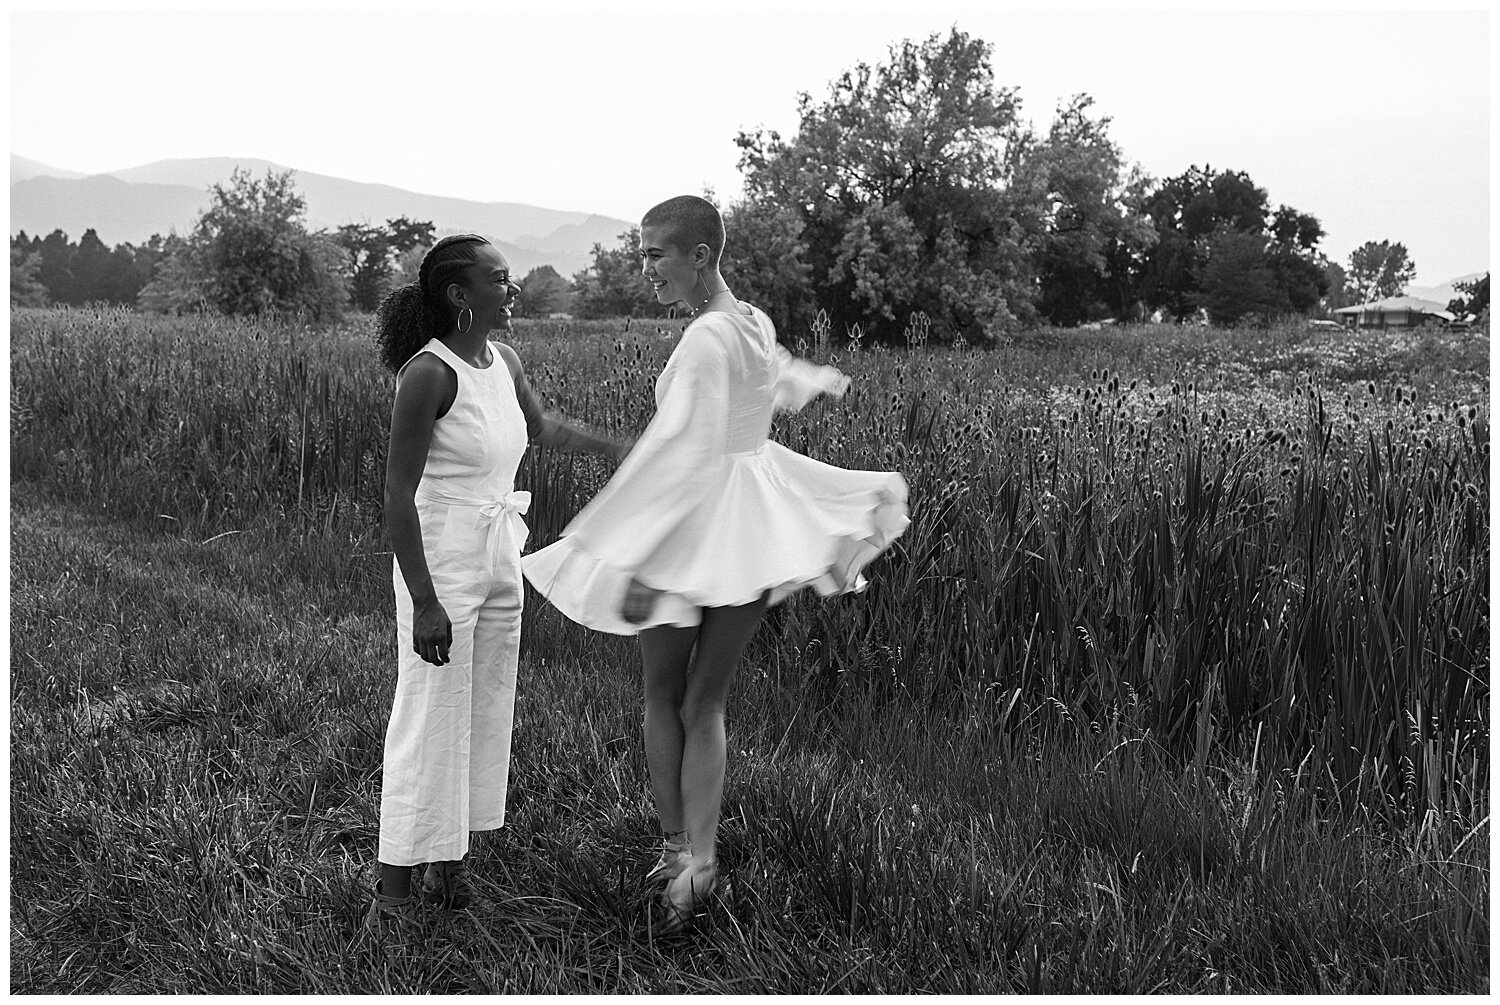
(716, 296)
(472, 346)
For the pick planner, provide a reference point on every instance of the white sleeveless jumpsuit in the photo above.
(447, 747)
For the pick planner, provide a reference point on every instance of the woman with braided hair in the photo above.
(461, 421)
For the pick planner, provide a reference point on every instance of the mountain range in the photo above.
(1443, 293)
(130, 205)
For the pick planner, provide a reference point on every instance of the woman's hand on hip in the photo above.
(431, 632)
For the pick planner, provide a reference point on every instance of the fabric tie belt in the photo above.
(511, 506)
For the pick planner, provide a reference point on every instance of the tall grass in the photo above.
(1243, 543)
(195, 752)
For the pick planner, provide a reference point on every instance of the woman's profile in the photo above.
(704, 525)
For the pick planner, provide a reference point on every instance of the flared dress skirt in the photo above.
(714, 526)
(775, 522)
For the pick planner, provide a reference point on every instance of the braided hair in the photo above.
(413, 314)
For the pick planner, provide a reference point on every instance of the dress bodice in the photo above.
(739, 377)
(747, 350)
(478, 443)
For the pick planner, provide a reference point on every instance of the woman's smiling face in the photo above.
(490, 289)
(669, 269)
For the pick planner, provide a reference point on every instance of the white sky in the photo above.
(1375, 122)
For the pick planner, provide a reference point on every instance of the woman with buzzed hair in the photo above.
(704, 525)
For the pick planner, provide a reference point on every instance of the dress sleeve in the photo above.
(798, 381)
(672, 465)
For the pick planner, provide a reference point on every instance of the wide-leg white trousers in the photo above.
(447, 746)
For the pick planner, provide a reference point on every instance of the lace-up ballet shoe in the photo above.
(686, 891)
(675, 853)
(392, 915)
(448, 884)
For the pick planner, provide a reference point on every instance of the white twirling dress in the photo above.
(709, 510)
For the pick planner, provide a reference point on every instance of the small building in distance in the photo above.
(1395, 312)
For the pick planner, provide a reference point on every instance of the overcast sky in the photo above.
(1375, 122)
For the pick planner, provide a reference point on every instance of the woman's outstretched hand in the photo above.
(639, 600)
(431, 632)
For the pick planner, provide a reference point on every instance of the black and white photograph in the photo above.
(824, 500)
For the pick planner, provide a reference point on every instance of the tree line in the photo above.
(249, 253)
(913, 189)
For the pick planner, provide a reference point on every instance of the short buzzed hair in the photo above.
(691, 221)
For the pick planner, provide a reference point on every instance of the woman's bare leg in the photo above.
(721, 641)
(666, 653)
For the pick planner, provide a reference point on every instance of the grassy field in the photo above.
(1179, 681)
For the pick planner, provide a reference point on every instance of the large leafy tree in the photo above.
(1219, 243)
(896, 183)
(1091, 235)
(765, 262)
(1187, 211)
(1378, 270)
(251, 252)
(1236, 281)
(544, 292)
(372, 253)
(1299, 271)
(178, 285)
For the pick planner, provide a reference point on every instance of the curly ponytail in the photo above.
(412, 315)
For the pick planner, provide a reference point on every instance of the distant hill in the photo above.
(24, 168)
(1443, 293)
(118, 211)
(129, 205)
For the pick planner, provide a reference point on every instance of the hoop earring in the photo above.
(461, 329)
